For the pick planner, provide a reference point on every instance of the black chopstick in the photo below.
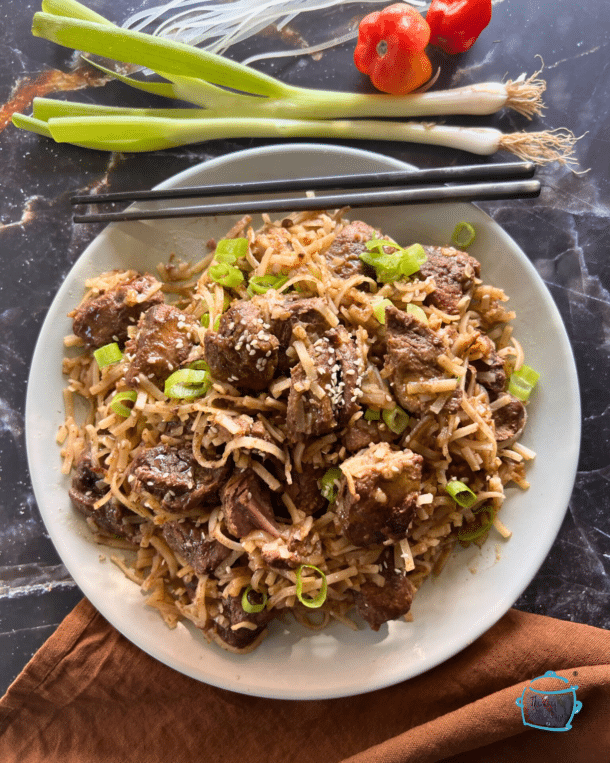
(472, 192)
(501, 171)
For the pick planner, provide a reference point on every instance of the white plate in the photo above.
(449, 612)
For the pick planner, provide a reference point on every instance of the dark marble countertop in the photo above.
(566, 233)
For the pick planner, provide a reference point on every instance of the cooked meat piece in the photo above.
(244, 636)
(386, 483)
(106, 318)
(287, 312)
(305, 491)
(489, 365)
(243, 351)
(174, 476)
(188, 540)
(246, 504)
(412, 352)
(453, 273)
(337, 365)
(378, 604)
(363, 433)
(343, 255)
(510, 421)
(453, 404)
(162, 344)
(281, 558)
(87, 488)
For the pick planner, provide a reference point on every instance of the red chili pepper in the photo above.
(390, 49)
(456, 24)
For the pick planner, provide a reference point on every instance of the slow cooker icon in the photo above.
(550, 709)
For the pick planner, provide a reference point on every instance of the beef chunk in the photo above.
(188, 540)
(387, 484)
(279, 556)
(378, 604)
(363, 433)
(106, 318)
(510, 421)
(246, 504)
(162, 344)
(243, 351)
(87, 488)
(337, 364)
(412, 352)
(173, 475)
(343, 255)
(305, 491)
(453, 273)
(287, 312)
(489, 366)
(240, 638)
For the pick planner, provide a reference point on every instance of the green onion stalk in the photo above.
(267, 108)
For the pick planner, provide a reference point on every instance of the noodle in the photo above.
(229, 431)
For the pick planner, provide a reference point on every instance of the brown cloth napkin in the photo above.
(90, 696)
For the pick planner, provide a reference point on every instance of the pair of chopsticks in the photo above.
(387, 189)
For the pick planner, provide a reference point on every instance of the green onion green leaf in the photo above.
(396, 419)
(246, 600)
(522, 382)
(371, 415)
(379, 309)
(463, 235)
(231, 249)
(316, 601)
(262, 284)
(117, 402)
(466, 535)
(205, 321)
(391, 266)
(328, 488)
(461, 493)
(187, 384)
(226, 275)
(417, 312)
(108, 354)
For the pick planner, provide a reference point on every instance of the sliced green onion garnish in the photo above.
(396, 420)
(318, 600)
(461, 493)
(375, 245)
(327, 483)
(187, 384)
(412, 259)
(371, 415)
(522, 382)
(262, 284)
(463, 235)
(199, 365)
(117, 402)
(108, 354)
(205, 321)
(226, 275)
(247, 605)
(394, 265)
(379, 309)
(486, 523)
(417, 312)
(229, 250)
